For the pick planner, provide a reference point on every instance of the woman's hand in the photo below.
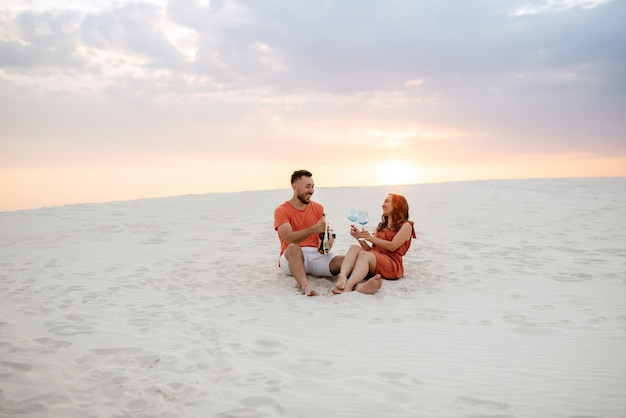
(366, 235)
(361, 235)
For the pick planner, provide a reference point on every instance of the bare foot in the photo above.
(337, 291)
(309, 291)
(371, 286)
(340, 286)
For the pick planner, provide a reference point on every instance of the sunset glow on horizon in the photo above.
(126, 100)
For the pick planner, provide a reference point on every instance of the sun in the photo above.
(396, 172)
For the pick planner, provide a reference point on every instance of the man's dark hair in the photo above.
(298, 174)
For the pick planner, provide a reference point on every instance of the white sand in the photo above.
(513, 305)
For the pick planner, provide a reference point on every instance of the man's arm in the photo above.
(293, 237)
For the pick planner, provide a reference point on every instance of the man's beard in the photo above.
(301, 198)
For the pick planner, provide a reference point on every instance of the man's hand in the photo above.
(320, 226)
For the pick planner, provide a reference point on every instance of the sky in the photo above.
(117, 100)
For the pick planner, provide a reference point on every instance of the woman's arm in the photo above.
(403, 235)
(359, 236)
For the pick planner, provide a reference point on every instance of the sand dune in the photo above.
(513, 304)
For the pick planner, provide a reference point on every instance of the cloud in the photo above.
(134, 28)
(331, 47)
(221, 75)
(40, 39)
(555, 6)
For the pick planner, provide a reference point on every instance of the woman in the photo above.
(382, 260)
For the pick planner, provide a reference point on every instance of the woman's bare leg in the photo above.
(365, 265)
(346, 267)
(371, 286)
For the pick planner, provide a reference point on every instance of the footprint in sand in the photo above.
(515, 318)
(254, 406)
(135, 406)
(9, 365)
(116, 351)
(572, 277)
(52, 343)
(543, 307)
(67, 330)
(400, 379)
(316, 362)
(474, 403)
(268, 348)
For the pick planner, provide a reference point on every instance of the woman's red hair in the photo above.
(399, 213)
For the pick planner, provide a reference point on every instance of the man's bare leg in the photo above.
(371, 286)
(309, 291)
(294, 256)
(335, 264)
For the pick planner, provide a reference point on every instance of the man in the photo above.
(299, 221)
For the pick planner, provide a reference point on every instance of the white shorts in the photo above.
(315, 263)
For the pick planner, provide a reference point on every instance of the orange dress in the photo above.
(389, 263)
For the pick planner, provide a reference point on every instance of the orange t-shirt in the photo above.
(298, 219)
